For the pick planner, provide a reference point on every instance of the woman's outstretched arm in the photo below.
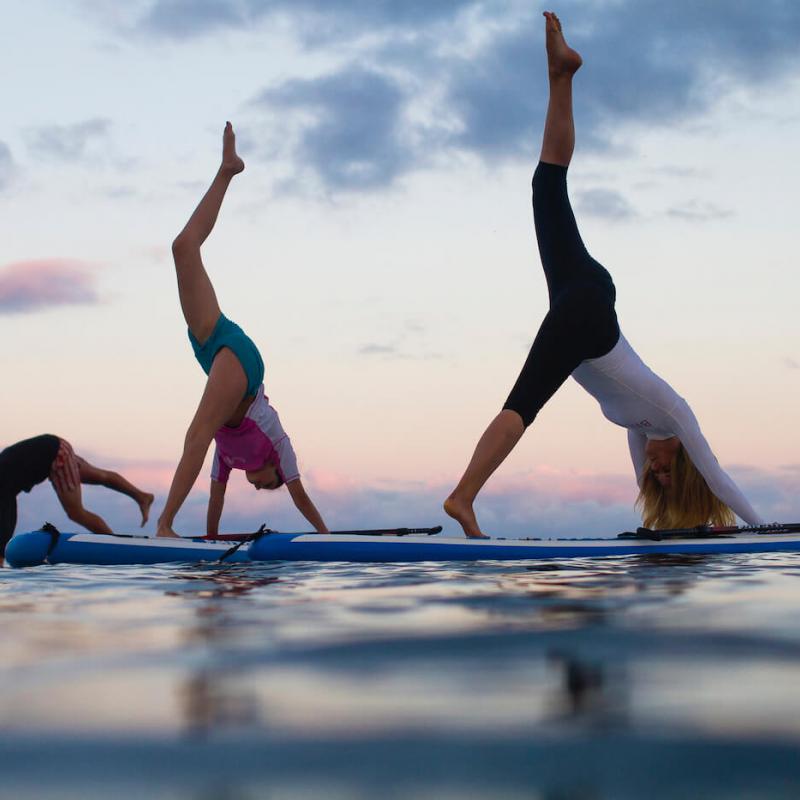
(721, 484)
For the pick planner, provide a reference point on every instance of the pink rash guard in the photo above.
(258, 440)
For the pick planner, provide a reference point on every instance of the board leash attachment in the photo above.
(265, 531)
(55, 535)
(262, 531)
(707, 532)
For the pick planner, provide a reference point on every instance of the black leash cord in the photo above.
(262, 531)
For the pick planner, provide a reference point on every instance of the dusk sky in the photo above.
(379, 247)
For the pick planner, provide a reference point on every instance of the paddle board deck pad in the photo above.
(40, 547)
(323, 547)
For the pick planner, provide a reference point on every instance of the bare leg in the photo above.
(227, 383)
(197, 296)
(558, 143)
(95, 476)
(72, 502)
(497, 442)
(223, 394)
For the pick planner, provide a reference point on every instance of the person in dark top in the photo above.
(27, 463)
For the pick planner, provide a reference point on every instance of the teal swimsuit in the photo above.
(229, 334)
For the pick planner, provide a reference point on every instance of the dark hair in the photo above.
(280, 482)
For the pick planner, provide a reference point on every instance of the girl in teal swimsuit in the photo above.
(229, 358)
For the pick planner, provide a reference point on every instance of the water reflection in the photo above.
(440, 681)
(592, 693)
(213, 698)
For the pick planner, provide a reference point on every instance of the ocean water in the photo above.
(642, 676)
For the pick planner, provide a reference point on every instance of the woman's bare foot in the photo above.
(462, 512)
(145, 501)
(231, 162)
(562, 60)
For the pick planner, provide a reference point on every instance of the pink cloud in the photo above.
(33, 285)
(541, 502)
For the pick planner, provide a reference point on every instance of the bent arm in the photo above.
(216, 501)
(721, 484)
(305, 506)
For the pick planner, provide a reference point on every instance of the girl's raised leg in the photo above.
(558, 144)
(227, 382)
(197, 296)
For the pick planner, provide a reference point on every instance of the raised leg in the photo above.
(227, 382)
(198, 299)
(95, 476)
(558, 143)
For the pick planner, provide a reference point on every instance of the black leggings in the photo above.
(581, 322)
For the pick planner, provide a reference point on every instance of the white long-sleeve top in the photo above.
(633, 396)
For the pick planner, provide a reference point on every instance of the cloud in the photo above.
(698, 211)
(6, 166)
(69, 142)
(426, 81)
(543, 501)
(33, 285)
(183, 19)
(791, 363)
(354, 137)
(377, 350)
(605, 203)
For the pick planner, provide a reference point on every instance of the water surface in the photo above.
(608, 678)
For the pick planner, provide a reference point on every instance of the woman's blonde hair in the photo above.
(687, 502)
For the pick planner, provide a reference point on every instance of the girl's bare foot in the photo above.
(462, 512)
(562, 60)
(166, 531)
(145, 501)
(231, 162)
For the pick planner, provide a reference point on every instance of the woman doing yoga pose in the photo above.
(681, 483)
(27, 463)
(233, 410)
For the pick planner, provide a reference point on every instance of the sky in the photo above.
(379, 247)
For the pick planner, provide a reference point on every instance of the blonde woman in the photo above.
(672, 491)
(680, 480)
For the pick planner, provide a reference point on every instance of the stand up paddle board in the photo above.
(48, 547)
(323, 547)
(393, 545)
